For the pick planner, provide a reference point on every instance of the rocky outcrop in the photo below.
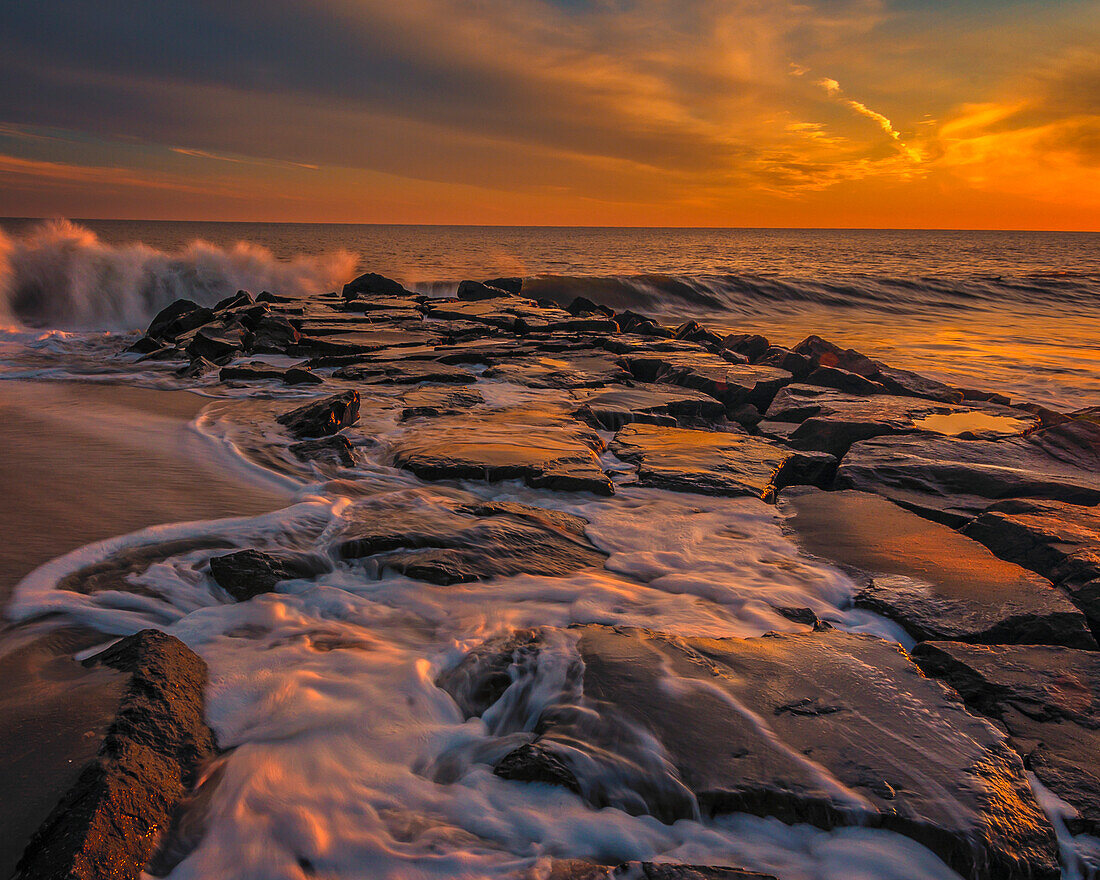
(713, 463)
(322, 417)
(1048, 699)
(936, 583)
(823, 727)
(248, 573)
(110, 822)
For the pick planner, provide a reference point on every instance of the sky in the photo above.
(797, 113)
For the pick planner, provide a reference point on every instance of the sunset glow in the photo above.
(883, 113)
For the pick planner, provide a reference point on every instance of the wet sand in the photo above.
(80, 463)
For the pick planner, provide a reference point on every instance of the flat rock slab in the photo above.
(936, 583)
(612, 408)
(953, 480)
(580, 370)
(831, 421)
(733, 384)
(716, 463)
(826, 727)
(1049, 701)
(462, 542)
(544, 449)
(437, 400)
(1057, 540)
(406, 372)
(360, 342)
(109, 823)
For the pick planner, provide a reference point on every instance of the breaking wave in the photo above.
(764, 294)
(61, 275)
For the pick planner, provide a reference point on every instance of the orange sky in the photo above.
(838, 113)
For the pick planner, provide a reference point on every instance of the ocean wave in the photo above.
(763, 294)
(61, 275)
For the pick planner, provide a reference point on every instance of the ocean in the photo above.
(1017, 312)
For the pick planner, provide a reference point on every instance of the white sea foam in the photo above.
(61, 275)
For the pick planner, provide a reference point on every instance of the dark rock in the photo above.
(842, 380)
(712, 463)
(1059, 541)
(751, 345)
(632, 322)
(200, 366)
(612, 408)
(372, 284)
(406, 372)
(239, 299)
(335, 450)
(513, 286)
(450, 544)
(953, 480)
(145, 345)
(109, 823)
(258, 371)
(936, 583)
(327, 350)
(805, 616)
(274, 334)
(1047, 700)
(827, 727)
(532, 763)
(322, 417)
(180, 317)
(822, 353)
(544, 449)
(567, 370)
(214, 343)
(584, 306)
(785, 359)
(475, 290)
(248, 573)
(733, 384)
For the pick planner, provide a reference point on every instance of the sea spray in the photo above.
(61, 275)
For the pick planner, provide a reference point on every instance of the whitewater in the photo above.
(343, 758)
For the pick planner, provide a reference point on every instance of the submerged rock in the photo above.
(322, 417)
(466, 542)
(573, 869)
(1059, 541)
(109, 823)
(717, 463)
(826, 727)
(1048, 699)
(336, 450)
(248, 573)
(953, 480)
(544, 449)
(936, 583)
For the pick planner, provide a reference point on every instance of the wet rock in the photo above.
(513, 286)
(458, 543)
(936, 583)
(643, 325)
(145, 345)
(406, 372)
(572, 869)
(797, 365)
(248, 573)
(829, 728)
(953, 480)
(200, 366)
(475, 290)
(831, 421)
(274, 334)
(567, 370)
(179, 318)
(109, 823)
(335, 450)
(1047, 699)
(372, 284)
(258, 371)
(715, 463)
(842, 380)
(214, 343)
(322, 417)
(751, 345)
(733, 384)
(532, 763)
(612, 408)
(545, 449)
(581, 306)
(822, 353)
(326, 350)
(1059, 541)
(430, 401)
